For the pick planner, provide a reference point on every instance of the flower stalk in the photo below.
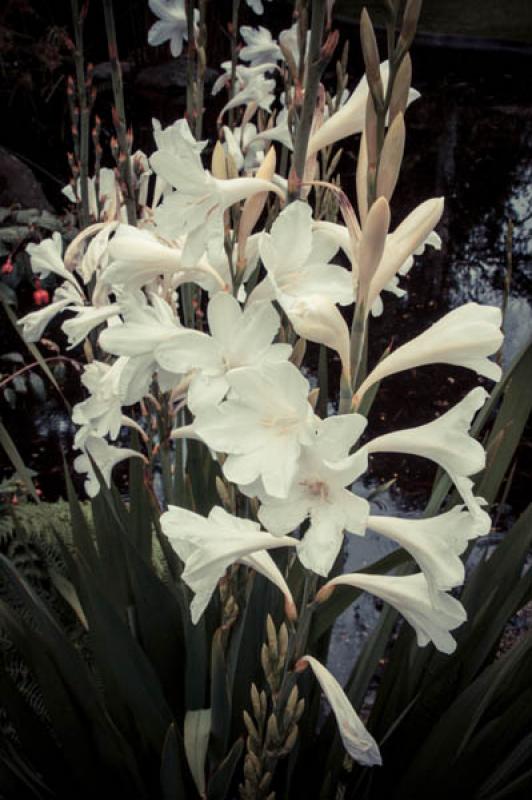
(78, 19)
(119, 115)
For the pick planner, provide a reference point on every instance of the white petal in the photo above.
(358, 742)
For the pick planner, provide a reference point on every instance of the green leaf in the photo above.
(172, 784)
(220, 782)
(14, 456)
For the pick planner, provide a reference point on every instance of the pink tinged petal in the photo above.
(358, 742)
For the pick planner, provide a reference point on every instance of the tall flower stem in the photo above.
(234, 57)
(315, 67)
(119, 117)
(78, 18)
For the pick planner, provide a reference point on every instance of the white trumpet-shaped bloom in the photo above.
(318, 494)
(86, 318)
(436, 543)
(306, 289)
(238, 338)
(350, 117)
(46, 257)
(447, 442)
(101, 413)
(171, 25)
(208, 546)
(197, 205)
(356, 739)
(411, 597)
(262, 426)
(257, 5)
(260, 47)
(105, 456)
(35, 323)
(464, 337)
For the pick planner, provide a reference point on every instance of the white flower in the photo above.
(289, 39)
(296, 260)
(256, 6)
(208, 546)
(138, 257)
(358, 742)
(280, 132)
(408, 239)
(101, 413)
(307, 289)
(35, 323)
(46, 257)
(252, 87)
(105, 456)
(197, 206)
(108, 204)
(318, 493)
(445, 441)
(410, 595)
(436, 543)
(171, 25)
(87, 318)
(238, 339)
(350, 117)
(262, 426)
(464, 337)
(244, 147)
(146, 324)
(260, 47)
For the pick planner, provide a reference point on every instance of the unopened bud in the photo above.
(290, 739)
(391, 158)
(372, 244)
(370, 52)
(324, 593)
(272, 639)
(408, 28)
(401, 87)
(218, 164)
(272, 731)
(282, 639)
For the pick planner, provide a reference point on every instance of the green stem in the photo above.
(314, 71)
(234, 57)
(84, 113)
(120, 120)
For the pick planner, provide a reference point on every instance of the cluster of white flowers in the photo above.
(250, 403)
